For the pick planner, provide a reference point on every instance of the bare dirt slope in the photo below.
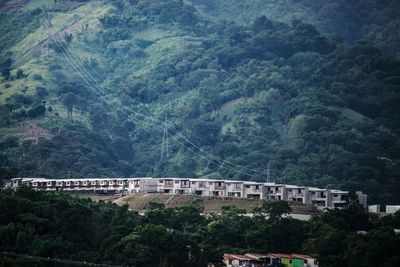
(140, 202)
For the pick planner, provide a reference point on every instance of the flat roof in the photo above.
(270, 184)
(294, 186)
(235, 257)
(283, 255)
(303, 256)
(339, 191)
(256, 256)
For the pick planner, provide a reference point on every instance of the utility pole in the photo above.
(165, 142)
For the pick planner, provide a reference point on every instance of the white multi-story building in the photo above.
(174, 185)
(338, 198)
(253, 190)
(296, 193)
(392, 209)
(203, 187)
(234, 188)
(319, 197)
(199, 187)
(275, 191)
(146, 184)
(217, 188)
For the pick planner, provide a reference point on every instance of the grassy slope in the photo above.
(31, 56)
(168, 44)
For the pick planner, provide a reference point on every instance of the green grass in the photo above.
(352, 115)
(45, 4)
(228, 108)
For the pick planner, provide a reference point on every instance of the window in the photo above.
(177, 182)
(290, 261)
(161, 181)
(299, 191)
(247, 186)
(290, 190)
(256, 186)
(335, 195)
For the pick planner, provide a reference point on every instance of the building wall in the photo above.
(287, 262)
(253, 190)
(392, 209)
(298, 262)
(199, 187)
(374, 208)
(203, 187)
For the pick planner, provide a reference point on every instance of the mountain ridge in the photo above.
(318, 109)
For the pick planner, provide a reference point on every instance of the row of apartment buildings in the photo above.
(201, 187)
(269, 260)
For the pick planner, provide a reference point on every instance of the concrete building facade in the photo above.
(203, 187)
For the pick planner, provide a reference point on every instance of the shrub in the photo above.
(37, 77)
(41, 92)
(19, 74)
(36, 111)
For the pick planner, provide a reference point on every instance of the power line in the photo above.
(92, 83)
(165, 144)
(210, 156)
(56, 260)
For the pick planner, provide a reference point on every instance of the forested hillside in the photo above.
(59, 226)
(163, 88)
(376, 21)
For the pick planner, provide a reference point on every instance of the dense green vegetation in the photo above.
(61, 226)
(92, 100)
(376, 21)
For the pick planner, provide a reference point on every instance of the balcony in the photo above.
(169, 184)
(219, 187)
